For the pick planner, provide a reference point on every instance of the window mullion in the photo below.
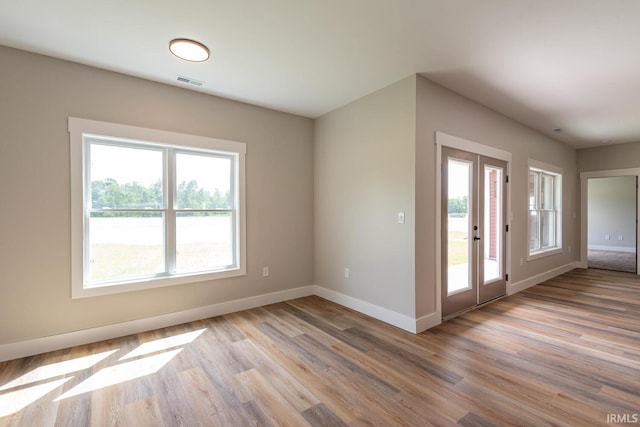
(170, 214)
(540, 190)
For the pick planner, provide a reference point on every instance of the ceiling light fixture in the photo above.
(189, 50)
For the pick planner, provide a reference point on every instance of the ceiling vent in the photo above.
(183, 79)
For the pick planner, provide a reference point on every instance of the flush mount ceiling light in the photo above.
(189, 50)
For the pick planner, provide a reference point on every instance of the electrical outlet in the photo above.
(620, 237)
(607, 237)
(265, 271)
(346, 273)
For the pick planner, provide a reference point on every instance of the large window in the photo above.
(153, 208)
(545, 202)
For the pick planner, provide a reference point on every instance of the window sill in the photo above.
(99, 289)
(544, 253)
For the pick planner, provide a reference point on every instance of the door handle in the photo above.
(476, 238)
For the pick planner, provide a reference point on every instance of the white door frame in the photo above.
(584, 177)
(443, 139)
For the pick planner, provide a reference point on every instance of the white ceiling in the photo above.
(569, 64)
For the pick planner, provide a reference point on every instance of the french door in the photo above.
(473, 230)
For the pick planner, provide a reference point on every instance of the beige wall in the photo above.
(321, 196)
(611, 204)
(609, 157)
(377, 156)
(439, 109)
(364, 175)
(38, 95)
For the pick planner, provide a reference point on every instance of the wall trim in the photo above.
(539, 278)
(428, 321)
(380, 313)
(85, 336)
(630, 249)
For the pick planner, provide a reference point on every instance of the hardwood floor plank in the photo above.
(619, 396)
(255, 415)
(144, 412)
(278, 318)
(329, 329)
(172, 398)
(78, 410)
(274, 405)
(419, 393)
(320, 416)
(224, 330)
(208, 405)
(475, 420)
(281, 379)
(346, 365)
(305, 356)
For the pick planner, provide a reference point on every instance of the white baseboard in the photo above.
(380, 313)
(85, 336)
(539, 278)
(628, 249)
(427, 322)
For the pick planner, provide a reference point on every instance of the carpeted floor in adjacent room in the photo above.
(610, 260)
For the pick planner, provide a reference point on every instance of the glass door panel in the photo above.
(492, 251)
(492, 236)
(459, 233)
(458, 226)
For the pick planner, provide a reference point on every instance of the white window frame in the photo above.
(82, 132)
(556, 173)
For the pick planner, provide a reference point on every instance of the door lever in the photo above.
(476, 238)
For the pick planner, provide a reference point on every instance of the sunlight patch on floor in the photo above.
(46, 372)
(163, 344)
(121, 373)
(12, 402)
(20, 393)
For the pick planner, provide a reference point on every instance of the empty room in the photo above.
(320, 213)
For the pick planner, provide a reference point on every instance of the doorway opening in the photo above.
(612, 223)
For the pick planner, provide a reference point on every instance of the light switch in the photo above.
(400, 217)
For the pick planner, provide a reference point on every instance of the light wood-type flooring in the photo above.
(566, 353)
